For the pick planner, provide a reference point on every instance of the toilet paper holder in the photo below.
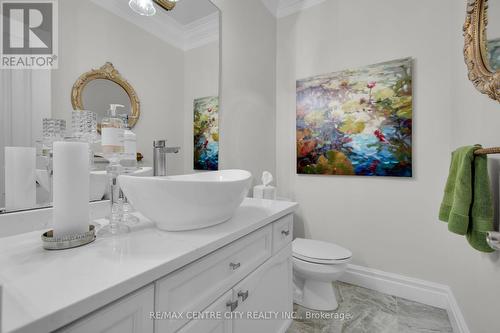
(493, 240)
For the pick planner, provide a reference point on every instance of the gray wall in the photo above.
(248, 86)
(391, 224)
(474, 118)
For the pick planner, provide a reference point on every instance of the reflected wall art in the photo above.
(356, 122)
(206, 133)
(494, 52)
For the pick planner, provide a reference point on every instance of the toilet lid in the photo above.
(319, 250)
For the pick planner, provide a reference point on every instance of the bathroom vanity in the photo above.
(156, 281)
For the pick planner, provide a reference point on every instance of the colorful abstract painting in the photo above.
(206, 133)
(494, 51)
(356, 122)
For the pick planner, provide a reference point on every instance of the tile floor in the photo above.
(363, 310)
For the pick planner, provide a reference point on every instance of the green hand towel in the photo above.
(467, 203)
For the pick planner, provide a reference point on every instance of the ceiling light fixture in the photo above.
(146, 7)
(143, 7)
(168, 5)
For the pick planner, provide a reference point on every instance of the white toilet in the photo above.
(316, 264)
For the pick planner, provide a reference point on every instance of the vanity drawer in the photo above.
(282, 232)
(223, 324)
(197, 285)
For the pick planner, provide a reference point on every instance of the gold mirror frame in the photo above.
(484, 78)
(106, 72)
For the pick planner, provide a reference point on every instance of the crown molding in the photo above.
(289, 7)
(283, 8)
(272, 6)
(161, 25)
(201, 32)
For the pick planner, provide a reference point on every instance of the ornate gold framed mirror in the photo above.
(96, 89)
(482, 46)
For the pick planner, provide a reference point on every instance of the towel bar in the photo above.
(487, 151)
(493, 239)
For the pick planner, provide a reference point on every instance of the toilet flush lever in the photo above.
(285, 232)
(234, 266)
(232, 305)
(243, 295)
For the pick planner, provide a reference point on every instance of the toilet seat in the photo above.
(320, 261)
(320, 252)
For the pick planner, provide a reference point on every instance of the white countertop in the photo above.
(44, 290)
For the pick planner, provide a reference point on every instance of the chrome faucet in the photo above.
(160, 151)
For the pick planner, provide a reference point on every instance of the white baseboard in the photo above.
(421, 291)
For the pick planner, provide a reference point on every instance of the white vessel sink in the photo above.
(188, 202)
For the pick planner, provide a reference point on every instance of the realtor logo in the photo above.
(29, 34)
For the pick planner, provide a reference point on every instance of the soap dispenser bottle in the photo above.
(129, 159)
(112, 134)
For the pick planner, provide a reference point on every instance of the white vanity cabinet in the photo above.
(282, 233)
(221, 324)
(260, 302)
(243, 286)
(265, 296)
(131, 314)
(196, 286)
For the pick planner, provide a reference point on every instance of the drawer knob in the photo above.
(234, 266)
(243, 295)
(232, 305)
(285, 232)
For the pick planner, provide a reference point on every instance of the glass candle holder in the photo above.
(84, 125)
(84, 128)
(53, 130)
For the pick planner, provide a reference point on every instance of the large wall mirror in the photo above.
(482, 46)
(155, 66)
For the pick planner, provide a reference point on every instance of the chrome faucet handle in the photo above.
(162, 144)
(160, 151)
(159, 143)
